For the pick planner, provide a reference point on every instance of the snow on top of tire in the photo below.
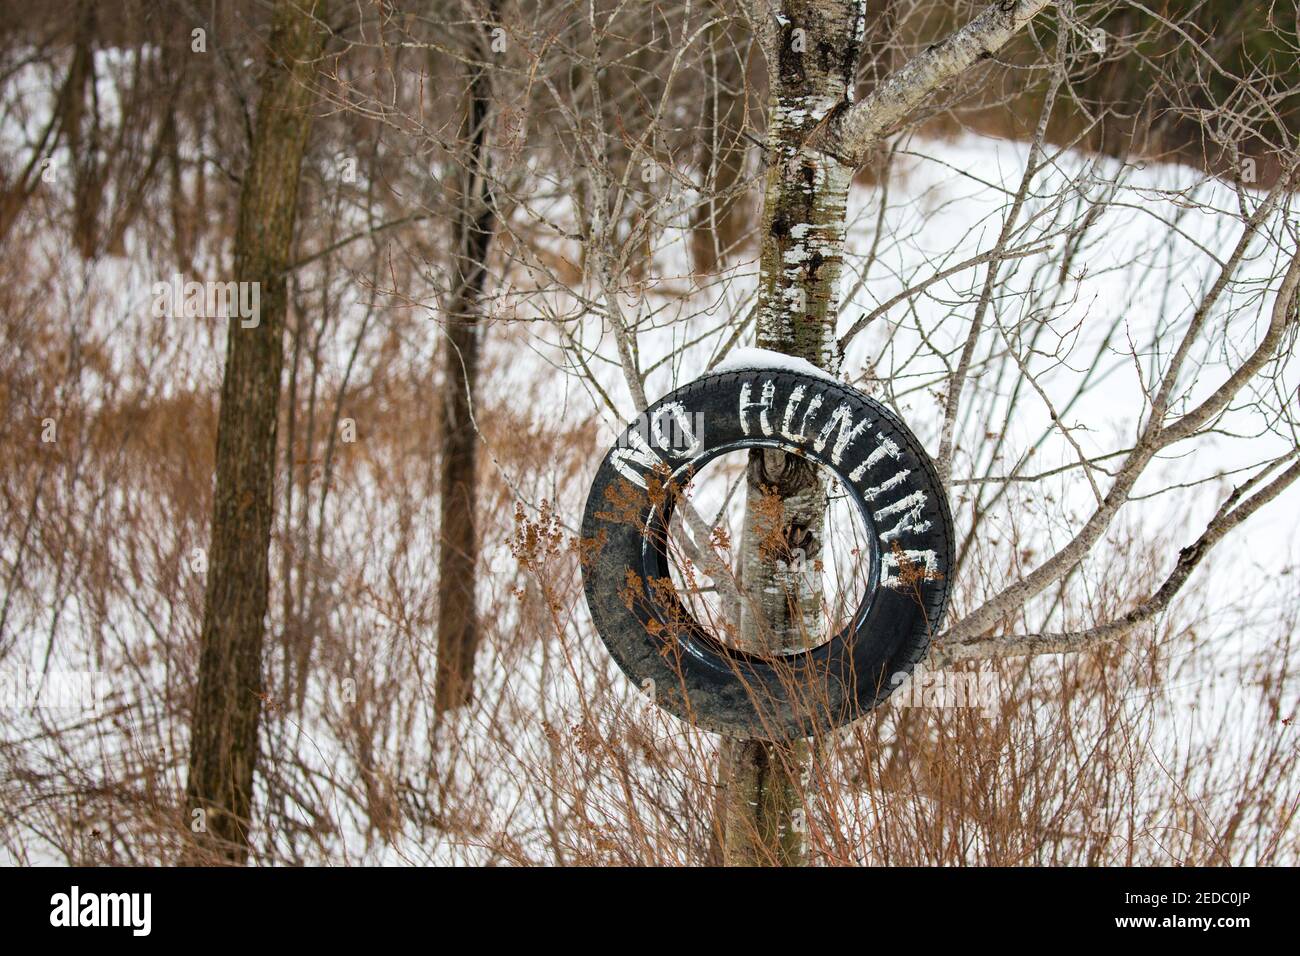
(752, 358)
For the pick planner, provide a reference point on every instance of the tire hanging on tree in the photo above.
(663, 648)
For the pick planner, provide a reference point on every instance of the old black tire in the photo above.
(654, 639)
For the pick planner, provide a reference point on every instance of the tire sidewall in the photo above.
(880, 464)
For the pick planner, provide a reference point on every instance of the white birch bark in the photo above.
(851, 133)
(813, 57)
(816, 139)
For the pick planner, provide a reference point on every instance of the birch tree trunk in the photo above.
(813, 58)
(228, 698)
(816, 139)
(458, 630)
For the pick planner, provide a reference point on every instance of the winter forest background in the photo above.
(485, 233)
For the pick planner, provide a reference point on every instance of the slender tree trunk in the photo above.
(720, 219)
(82, 132)
(227, 705)
(811, 69)
(458, 630)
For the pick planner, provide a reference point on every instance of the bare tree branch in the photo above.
(1230, 515)
(851, 133)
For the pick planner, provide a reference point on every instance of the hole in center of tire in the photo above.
(769, 552)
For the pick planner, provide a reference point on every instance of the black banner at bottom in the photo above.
(276, 906)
